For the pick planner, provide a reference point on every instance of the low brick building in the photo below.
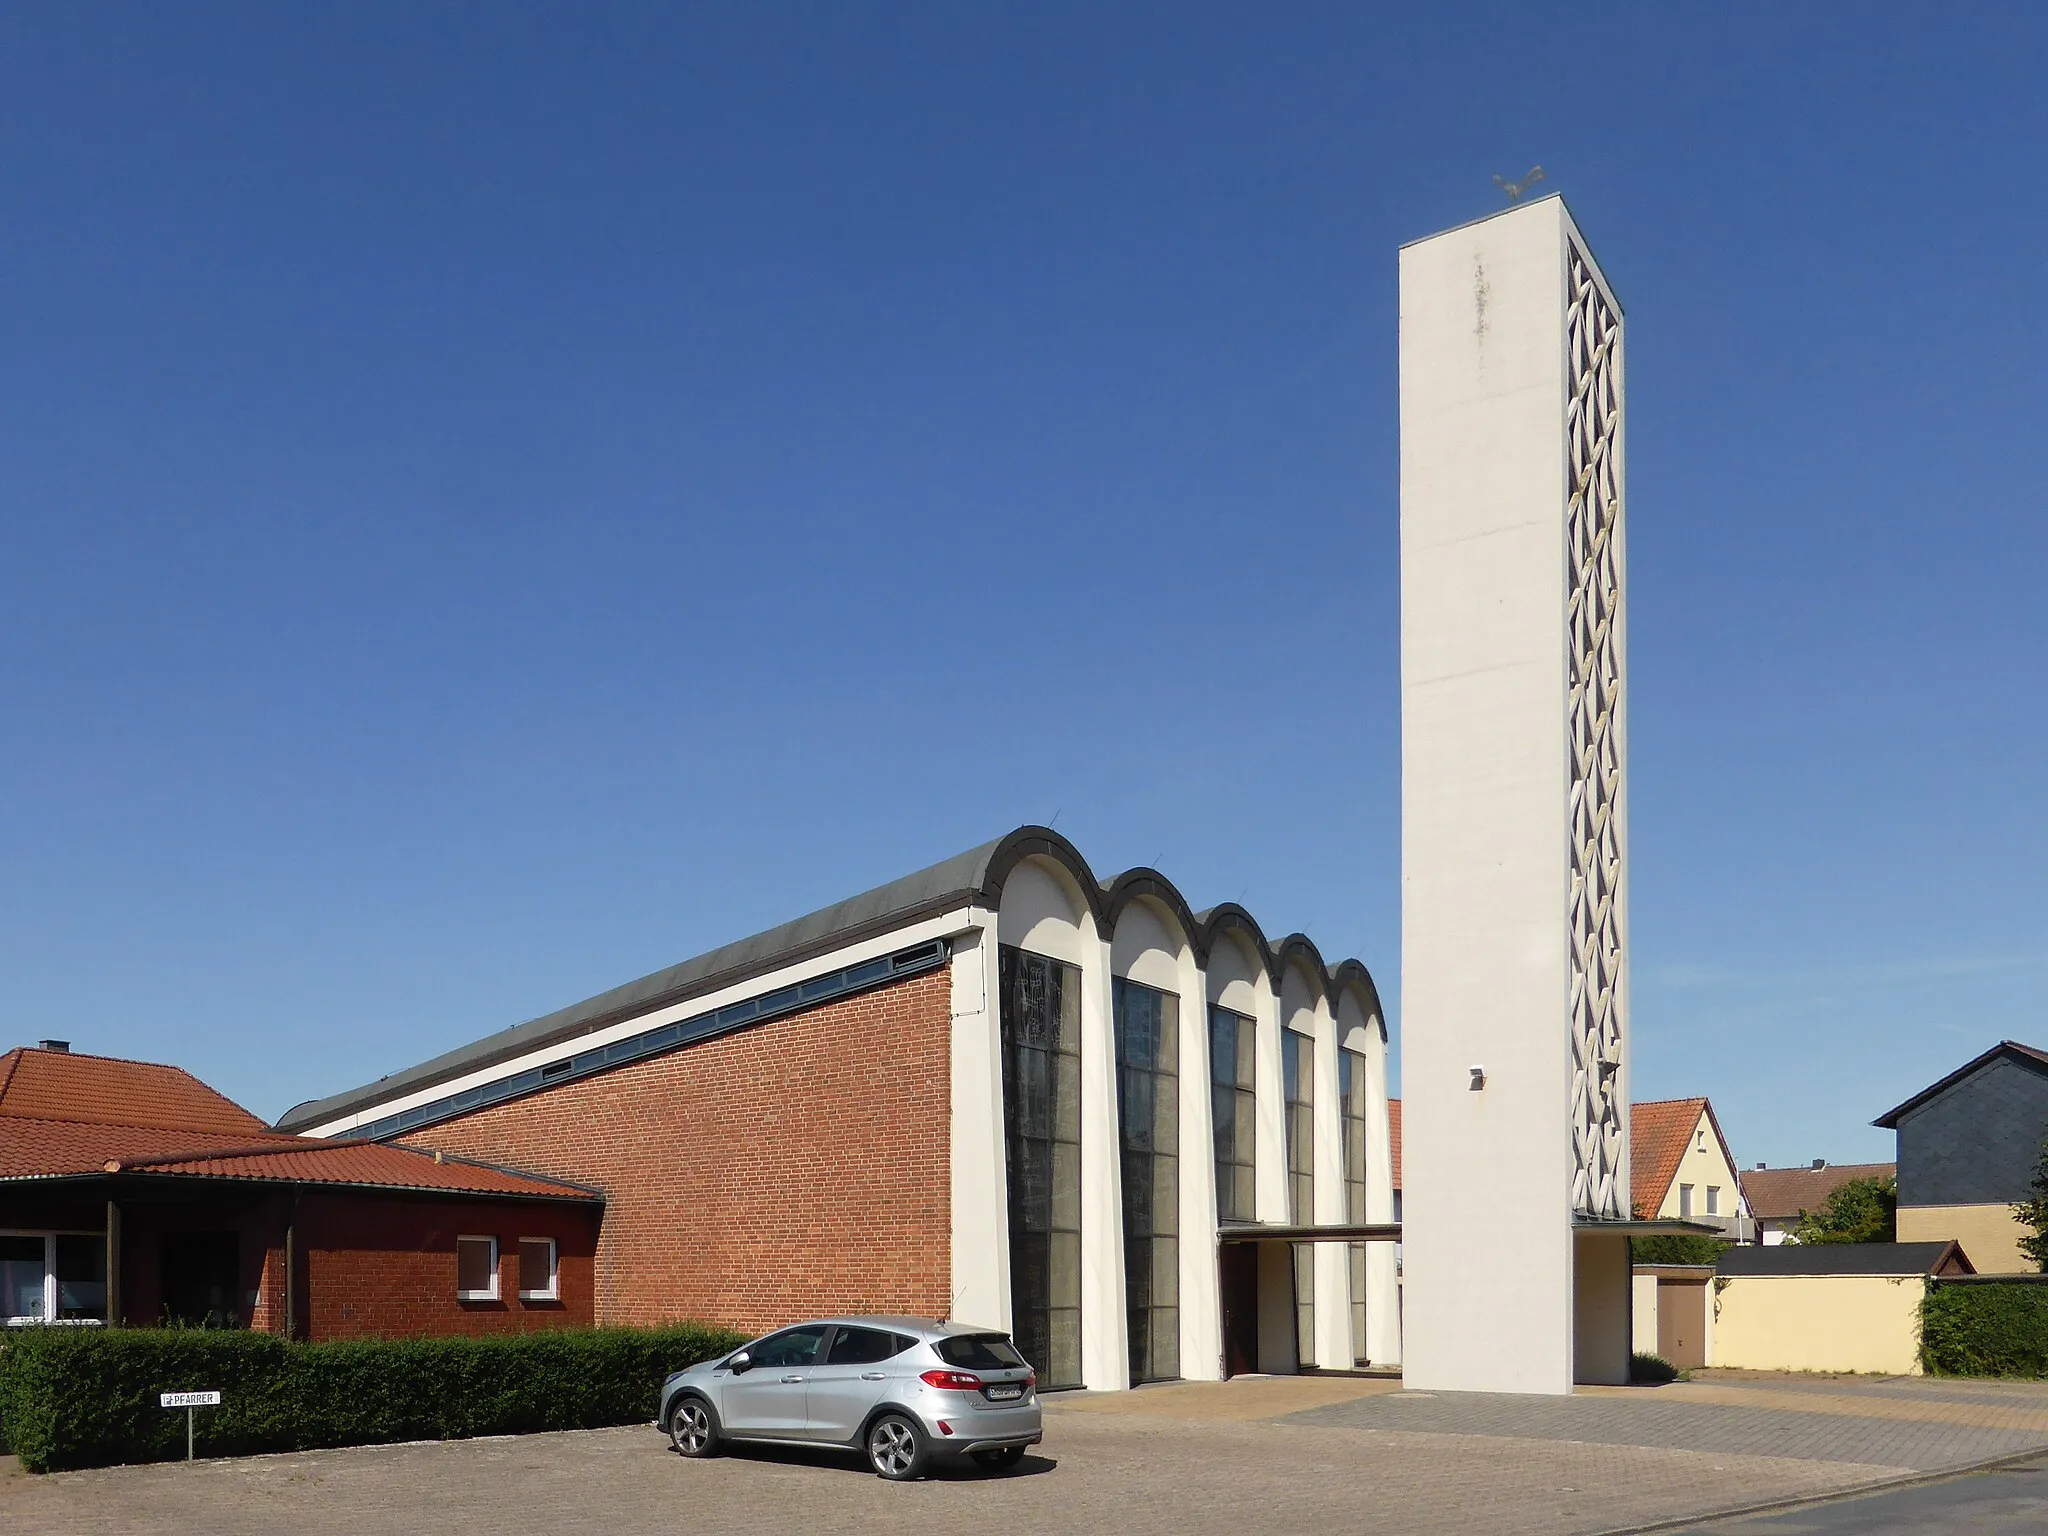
(1148, 1140)
(132, 1192)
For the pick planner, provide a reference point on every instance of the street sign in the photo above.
(189, 1401)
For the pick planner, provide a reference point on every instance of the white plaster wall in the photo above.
(981, 1226)
(1484, 861)
(1601, 1332)
(1644, 1323)
(1269, 1180)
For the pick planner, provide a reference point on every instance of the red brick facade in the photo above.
(797, 1168)
(386, 1268)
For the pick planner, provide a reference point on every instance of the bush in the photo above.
(1985, 1329)
(1855, 1211)
(87, 1397)
(1651, 1368)
(1677, 1248)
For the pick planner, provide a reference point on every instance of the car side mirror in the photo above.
(740, 1363)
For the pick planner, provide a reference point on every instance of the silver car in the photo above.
(903, 1391)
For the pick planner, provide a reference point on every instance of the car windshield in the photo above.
(979, 1352)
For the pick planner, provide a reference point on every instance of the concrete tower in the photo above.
(1514, 850)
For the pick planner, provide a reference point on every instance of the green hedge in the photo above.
(1985, 1330)
(87, 1397)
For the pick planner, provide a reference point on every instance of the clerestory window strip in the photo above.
(668, 1037)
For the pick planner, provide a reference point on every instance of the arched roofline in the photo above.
(1041, 843)
(1352, 976)
(1107, 902)
(1229, 917)
(1137, 884)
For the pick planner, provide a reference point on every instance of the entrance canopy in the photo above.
(1663, 1226)
(1332, 1232)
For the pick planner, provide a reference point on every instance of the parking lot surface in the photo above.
(1273, 1454)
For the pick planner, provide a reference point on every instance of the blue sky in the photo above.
(500, 499)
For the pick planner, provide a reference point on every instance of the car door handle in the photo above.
(873, 1376)
(788, 1380)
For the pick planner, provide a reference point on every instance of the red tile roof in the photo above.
(63, 1114)
(104, 1090)
(1780, 1194)
(382, 1165)
(1658, 1132)
(45, 1149)
(1394, 1126)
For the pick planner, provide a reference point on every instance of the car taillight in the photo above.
(951, 1381)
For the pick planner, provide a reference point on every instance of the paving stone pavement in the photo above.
(1901, 1425)
(1194, 1457)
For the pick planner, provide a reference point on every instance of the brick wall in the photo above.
(797, 1168)
(384, 1267)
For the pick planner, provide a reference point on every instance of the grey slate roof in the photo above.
(974, 877)
(947, 884)
(1834, 1259)
(1889, 1120)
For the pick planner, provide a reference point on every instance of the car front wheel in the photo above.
(693, 1427)
(999, 1458)
(896, 1447)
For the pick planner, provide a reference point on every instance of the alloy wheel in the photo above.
(892, 1447)
(690, 1427)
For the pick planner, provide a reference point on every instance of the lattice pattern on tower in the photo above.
(1594, 622)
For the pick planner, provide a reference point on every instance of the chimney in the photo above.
(1820, 1162)
(1760, 1167)
(62, 1047)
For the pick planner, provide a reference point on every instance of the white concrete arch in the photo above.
(1152, 946)
(1045, 910)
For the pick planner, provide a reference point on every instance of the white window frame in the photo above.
(460, 1293)
(554, 1288)
(1713, 1199)
(1685, 1202)
(49, 1313)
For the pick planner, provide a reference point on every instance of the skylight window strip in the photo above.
(666, 1037)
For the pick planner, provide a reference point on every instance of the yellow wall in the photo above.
(1988, 1233)
(1699, 1169)
(1819, 1323)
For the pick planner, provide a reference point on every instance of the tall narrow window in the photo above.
(1041, 1027)
(1297, 1073)
(539, 1279)
(1233, 1107)
(1148, 1112)
(1351, 1089)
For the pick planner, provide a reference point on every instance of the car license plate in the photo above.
(1004, 1394)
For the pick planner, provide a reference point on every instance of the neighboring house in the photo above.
(1150, 1141)
(131, 1192)
(1967, 1148)
(1680, 1166)
(1776, 1196)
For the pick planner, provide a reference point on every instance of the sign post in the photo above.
(190, 1402)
